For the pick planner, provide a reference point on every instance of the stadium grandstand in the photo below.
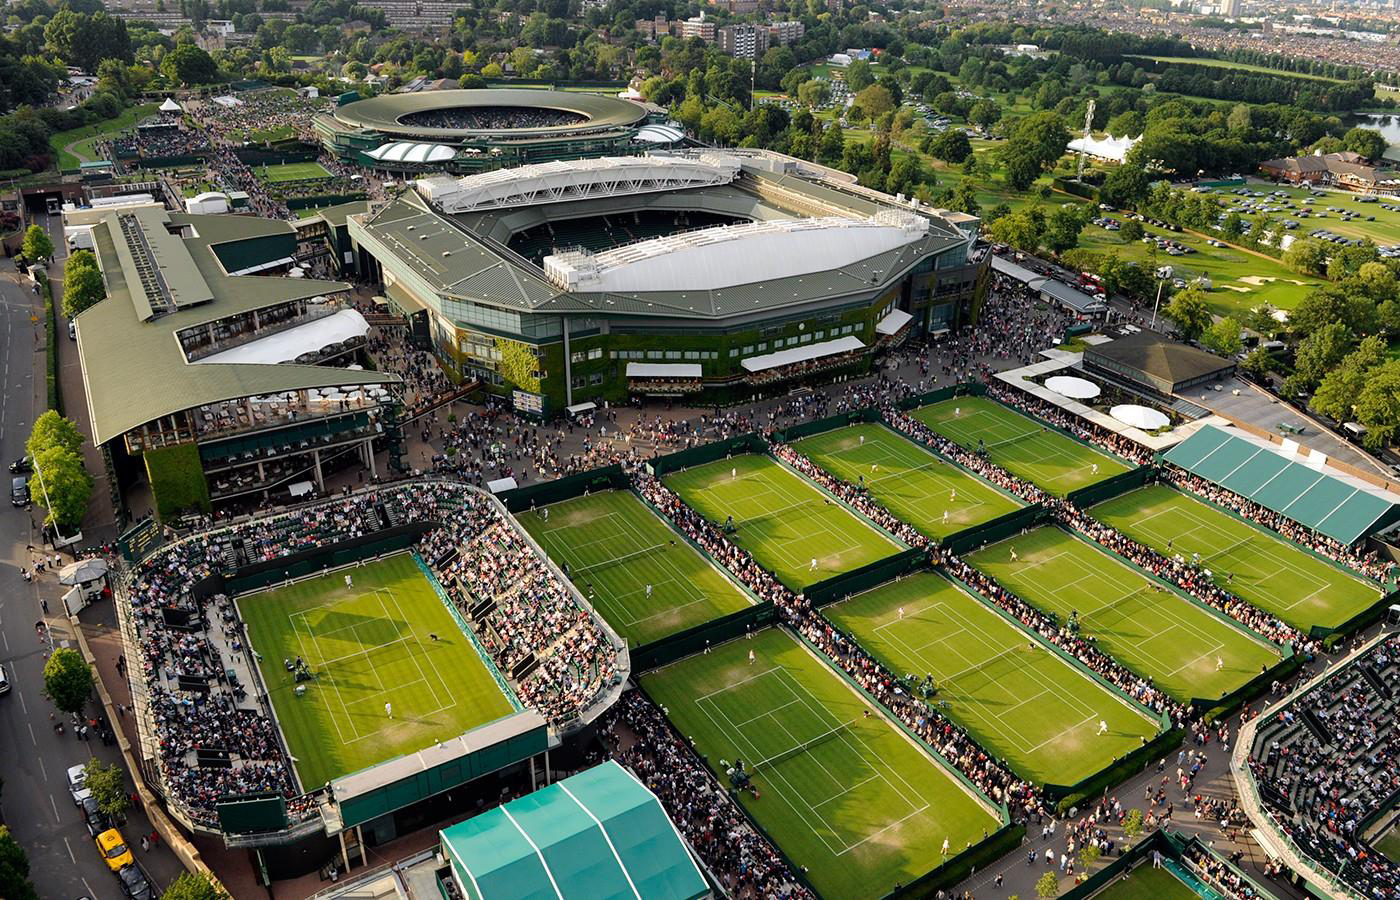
(274, 393)
(722, 274)
(270, 665)
(1319, 779)
(471, 131)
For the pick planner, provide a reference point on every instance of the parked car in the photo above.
(22, 466)
(19, 490)
(114, 850)
(4, 681)
(77, 784)
(134, 884)
(95, 820)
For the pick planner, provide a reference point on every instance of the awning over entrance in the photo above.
(802, 354)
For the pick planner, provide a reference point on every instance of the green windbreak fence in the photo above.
(1111, 487)
(981, 854)
(566, 488)
(698, 456)
(296, 565)
(997, 529)
(967, 389)
(251, 813)
(866, 577)
(1067, 797)
(1229, 702)
(830, 423)
(663, 651)
(1366, 617)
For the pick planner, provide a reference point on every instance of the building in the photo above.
(655, 29)
(736, 7)
(1155, 364)
(743, 41)
(1230, 8)
(267, 394)
(725, 275)
(698, 27)
(785, 32)
(416, 15)
(476, 130)
(1343, 169)
(599, 833)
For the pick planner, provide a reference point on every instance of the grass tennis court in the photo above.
(302, 171)
(1021, 701)
(852, 799)
(791, 528)
(1022, 446)
(614, 547)
(1145, 626)
(1147, 883)
(1255, 565)
(1389, 844)
(934, 496)
(368, 645)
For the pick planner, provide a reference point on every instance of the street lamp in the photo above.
(1163, 274)
(58, 539)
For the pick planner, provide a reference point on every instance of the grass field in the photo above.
(615, 547)
(790, 527)
(1254, 564)
(934, 496)
(858, 803)
(1151, 630)
(1234, 67)
(1020, 700)
(368, 645)
(1147, 883)
(1022, 446)
(302, 171)
(1389, 844)
(72, 148)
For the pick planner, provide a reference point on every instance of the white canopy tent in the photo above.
(1072, 387)
(286, 346)
(170, 106)
(1143, 417)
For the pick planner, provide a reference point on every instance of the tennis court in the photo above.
(794, 530)
(934, 496)
(1019, 699)
(1147, 883)
(1388, 845)
(1255, 565)
(1186, 650)
(853, 799)
(1021, 445)
(643, 578)
(367, 645)
(302, 171)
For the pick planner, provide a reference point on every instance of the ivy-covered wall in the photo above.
(177, 480)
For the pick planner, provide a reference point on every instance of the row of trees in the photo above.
(82, 283)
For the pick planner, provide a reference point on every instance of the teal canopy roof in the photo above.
(1297, 484)
(599, 834)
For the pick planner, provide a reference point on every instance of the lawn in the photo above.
(1388, 845)
(1233, 67)
(1187, 651)
(1147, 883)
(264, 135)
(852, 799)
(1024, 447)
(1020, 700)
(368, 645)
(791, 528)
(1321, 213)
(646, 581)
(302, 171)
(934, 496)
(1255, 565)
(74, 147)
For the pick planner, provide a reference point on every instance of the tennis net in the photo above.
(1012, 440)
(1228, 550)
(984, 665)
(618, 560)
(803, 747)
(1139, 594)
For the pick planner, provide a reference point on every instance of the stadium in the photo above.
(710, 274)
(471, 131)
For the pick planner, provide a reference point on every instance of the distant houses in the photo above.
(1343, 169)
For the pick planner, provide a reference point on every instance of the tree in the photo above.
(108, 785)
(1368, 142)
(1132, 824)
(67, 680)
(964, 198)
(37, 246)
(82, 290)
(1189, 311)
(952, 146)
(1306, 256)
(188, 64)
(1088, 855)
(1130, 231)
(1257, 364)
(65, 486)
(193, 886)
(984, 113)
(53, 430)
(1048, 886)
(1125, 187)
(1378, 406)
(1062, 227)
(14, 869)
(876, 100)
(858, 76)
(1317, 355)
(1036, 142)
(86, 39)
(1223, 337)
(1021, 229)
(1339, 390)
(813, 93)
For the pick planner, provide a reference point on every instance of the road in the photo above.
(33, 759)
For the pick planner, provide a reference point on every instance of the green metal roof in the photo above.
(134, 371)
(599, 834)
(1295, 485)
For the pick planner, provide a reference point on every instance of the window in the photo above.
(748, 349)
(595, 353)
(733, 352)
(819, 334)
(762, 346)
(653, 354)
(577, 357)
(596, 378)
(673, 354)
(578, 381)
(692, 354)
(805, 339)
